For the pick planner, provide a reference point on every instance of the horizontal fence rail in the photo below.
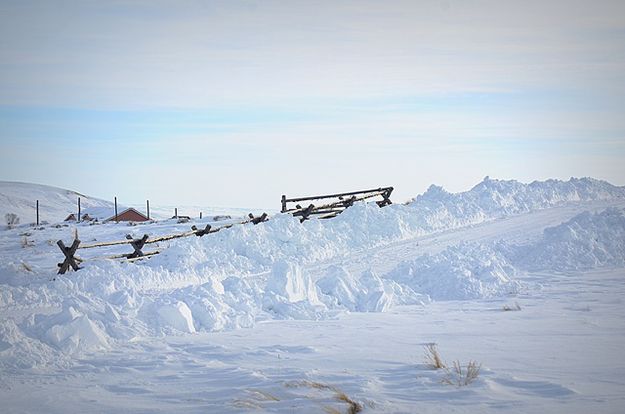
(330, 208)
(73, 261)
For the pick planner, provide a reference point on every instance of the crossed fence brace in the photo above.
(332, 209)
(329, 210)
(69, 252)
(71, 260)
(137, 245)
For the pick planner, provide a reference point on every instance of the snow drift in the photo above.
(467, 271)
(249, 273)
(587, 241)
(499, 198)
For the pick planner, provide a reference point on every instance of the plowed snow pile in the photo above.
(249, 273)
(467, 271)
(587, 241)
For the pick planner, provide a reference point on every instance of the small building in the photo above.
(130, 214)
(91, 214)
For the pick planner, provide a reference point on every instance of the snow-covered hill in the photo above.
(55, 204)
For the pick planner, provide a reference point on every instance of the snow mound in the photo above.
(587, 241)
(289, 293)
(369, 293)
(178, 316)
(19, 351)
(71, 330)
(499, 198)
(466, 271)
(245, 274)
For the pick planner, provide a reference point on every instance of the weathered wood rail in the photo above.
(333, 205)
(71, 260)
(332, 209)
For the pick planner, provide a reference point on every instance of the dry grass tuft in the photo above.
(255, 400)
(433, 357)
(353, 406)
(263, 395)
(461, 377)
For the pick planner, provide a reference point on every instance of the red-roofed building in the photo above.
(130, 214)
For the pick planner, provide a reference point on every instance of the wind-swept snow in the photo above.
(587, 241)
(284, 270)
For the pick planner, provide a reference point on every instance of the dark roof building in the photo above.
(130, 214)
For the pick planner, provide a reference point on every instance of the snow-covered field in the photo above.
(525, 279)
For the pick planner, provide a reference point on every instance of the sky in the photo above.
(234, 103)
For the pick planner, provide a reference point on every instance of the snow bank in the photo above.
(340, 289)
(178, 316)
(499, 198)
(587, 241)
(466, 271)
(291, 294)
(19, 351)
(253, 249)
(249, 273)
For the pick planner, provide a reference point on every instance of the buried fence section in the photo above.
(330, 209)
(71, 260)
(333, 208)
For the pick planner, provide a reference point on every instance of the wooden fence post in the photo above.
(147, 202)
(78, 210)
(37, 212)
(116, 221)
(283, 203)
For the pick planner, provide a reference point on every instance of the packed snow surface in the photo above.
(438, 248)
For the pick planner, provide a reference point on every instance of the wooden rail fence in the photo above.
(333, 208)
(333, 205)
(73, 261)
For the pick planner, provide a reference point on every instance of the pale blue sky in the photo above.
(234, 103)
